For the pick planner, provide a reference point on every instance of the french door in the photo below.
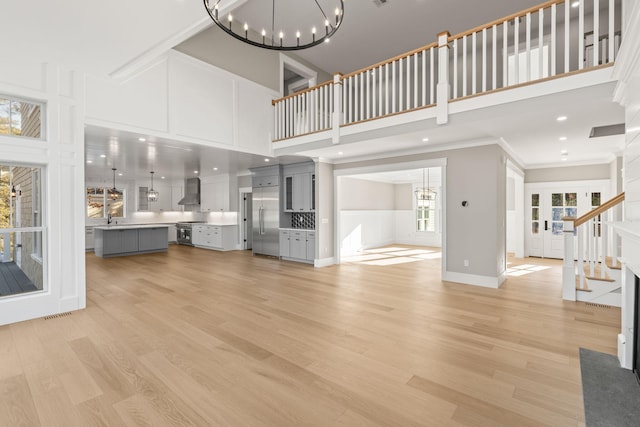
(546, 208)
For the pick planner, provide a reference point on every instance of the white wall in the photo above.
(181, 98)
(61, 153)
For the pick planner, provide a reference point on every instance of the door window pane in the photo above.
(572, 212)
(571, 199)
(557, 214)
(556, 228)
(556, 199)
(535, 227)
(535, 200)
(595, 199)
(535, 214)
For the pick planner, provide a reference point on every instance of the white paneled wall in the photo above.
(182, 98)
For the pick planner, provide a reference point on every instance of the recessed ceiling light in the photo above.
(215, 169)
(195, 171)
(89, 161)
(141, 139)
(575, 4)
(563, 138)
(340, 153)
(266, 160)
(564, 152)
(162, 177)
(102, 156)
(561, 118)
(120, 174)
(425, 139)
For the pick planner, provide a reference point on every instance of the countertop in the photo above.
(130, 226)
(216, 224)
(296, 229)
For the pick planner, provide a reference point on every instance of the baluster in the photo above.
(455, 69)
(307, 114)
(330, 107)
(432, 76)
(567, 35)
(581, 254)
(374, 91)
(393, 86)
(380, 98)
(424, 77)
(415, 80)
(604, 241)
(591, 243)
(363, 90)
(323, 107)
(347, 99)
(612, 32)
(401, 85)
(505, 54)
(527, 75)
(516, 51)
(368, 94)
(484, 60)
(464, 66)
(386, 89)
(408, 79)
(474, 65)
(540, 43)
(580, 35)
(554, 17)
(494, 57)
(596, 32)
(276, 121)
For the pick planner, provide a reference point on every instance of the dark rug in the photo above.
(611, 394)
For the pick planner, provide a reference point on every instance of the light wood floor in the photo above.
(202, 338)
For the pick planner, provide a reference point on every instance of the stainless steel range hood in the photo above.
(191, 192)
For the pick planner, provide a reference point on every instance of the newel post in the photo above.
(443, 88)
(568, 265)
(337, 115)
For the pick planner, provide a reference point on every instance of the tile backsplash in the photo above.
(306, 220)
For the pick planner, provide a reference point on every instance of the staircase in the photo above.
(591, 270)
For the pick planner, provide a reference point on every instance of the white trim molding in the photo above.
(474, 279)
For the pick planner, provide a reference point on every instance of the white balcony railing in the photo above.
(546, 41)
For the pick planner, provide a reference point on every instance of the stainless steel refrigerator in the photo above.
(266, 220)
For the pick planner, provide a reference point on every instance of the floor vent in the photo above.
(55, 316)
(592, 304)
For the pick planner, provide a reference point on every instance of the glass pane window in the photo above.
(556, 228)
(571, 199)
(425, 215)
(556, 199)
(104, 201)
(20, 118)
(535, 227)
(535, 214)
(535, 200)
(595, 199)
(557, 214)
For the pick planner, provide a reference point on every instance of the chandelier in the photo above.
(282, 25)
(425, 193)
(152, 195)
(114, 194)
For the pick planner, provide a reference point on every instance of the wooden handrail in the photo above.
(309, 89)
(390, 60)
(505, 19)
(600, 209)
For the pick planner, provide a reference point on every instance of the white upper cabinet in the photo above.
(214, 193)
(299, 188)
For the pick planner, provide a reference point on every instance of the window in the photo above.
(104, 201)
(426, 215)
(20, 118)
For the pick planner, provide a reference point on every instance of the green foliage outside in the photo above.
(5, 198)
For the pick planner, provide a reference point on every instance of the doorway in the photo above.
(548, 204)
(295, 76)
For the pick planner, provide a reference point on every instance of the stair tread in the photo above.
(613, 265)
(602, 279)
(578, 288)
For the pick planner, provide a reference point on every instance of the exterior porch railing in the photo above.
(550, 40)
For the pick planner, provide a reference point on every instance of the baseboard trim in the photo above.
(324, 262)
(473, 279)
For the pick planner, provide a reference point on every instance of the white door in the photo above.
(547, 206)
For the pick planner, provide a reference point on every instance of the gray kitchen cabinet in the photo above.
(284, 243)
(129, 240)
(119, 241)
(298, 192)
(311, 245)
(298, 244)
(152, 239)
(265, 181)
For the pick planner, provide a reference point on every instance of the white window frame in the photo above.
(43, 115)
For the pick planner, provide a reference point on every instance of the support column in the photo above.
(337, 117)
(443, 88)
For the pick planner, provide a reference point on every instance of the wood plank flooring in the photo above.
(203, 338)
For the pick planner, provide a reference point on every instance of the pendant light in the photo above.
(113, 193)
(152, 195)
(425, 193)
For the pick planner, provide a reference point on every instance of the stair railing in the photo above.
(595, 242)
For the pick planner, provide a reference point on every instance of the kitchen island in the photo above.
(121, 240)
